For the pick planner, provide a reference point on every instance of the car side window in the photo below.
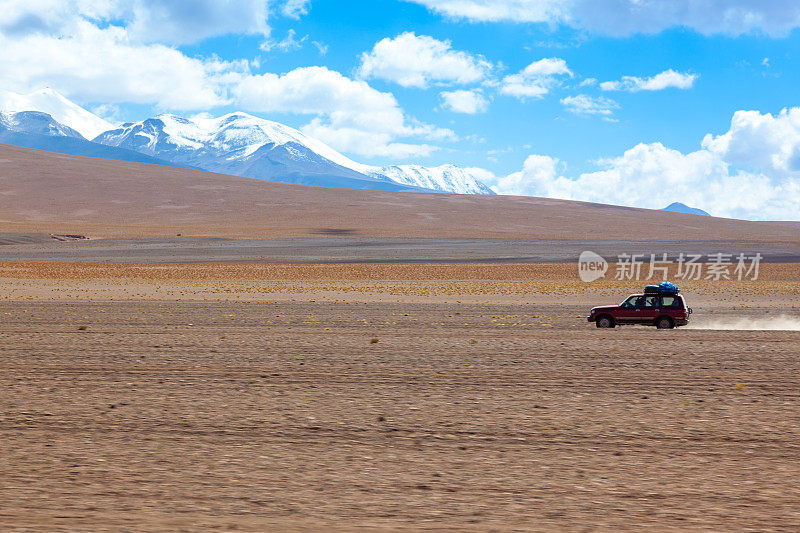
(651, 301)
(671, 301)
(633, 301)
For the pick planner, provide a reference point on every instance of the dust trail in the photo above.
(776, 323)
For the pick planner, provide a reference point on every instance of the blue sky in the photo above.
(614, 106)
(730, 70)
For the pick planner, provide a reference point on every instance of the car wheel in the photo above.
(605, 322)
(664, 323)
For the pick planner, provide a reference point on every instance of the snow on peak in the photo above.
(237, 134)
(213, 142)
(49, 101)
(36, 122)
(446, 178)
(249, 133)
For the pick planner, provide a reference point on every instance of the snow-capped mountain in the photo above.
(237, 143)
(59, 108)
(447, 178)
(36, 123)
(34, 129)
(244, 145)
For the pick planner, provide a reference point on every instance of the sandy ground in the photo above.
(523, 283)
(42, 247)
(414, 397)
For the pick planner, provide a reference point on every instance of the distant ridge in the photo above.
(677, 207)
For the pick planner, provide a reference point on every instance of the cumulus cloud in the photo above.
(535, 178)
(146, 21)
(188, 21)
(350, 115)
(462, 101)
(625, 17)
(414, 60)
(761, 142)
(589, 105)
(751, 171)
(537, 79)
(103, 65)
(664, 80)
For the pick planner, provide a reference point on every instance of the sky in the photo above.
(630, 102)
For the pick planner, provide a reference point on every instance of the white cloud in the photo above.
(350, 115)
(419, 60)
(761, 143)
(501, 10)
(752, 171)
(537, 173)
(288, 44)
(189, 21)
(537, 79)
(296, 8)
(367, 143)
(103, 65)
(625, 17)
(588, 105)
(468, 102)
(146, 21)
(664, 80)
(322, 48)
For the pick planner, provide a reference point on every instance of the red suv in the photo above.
(664, 310)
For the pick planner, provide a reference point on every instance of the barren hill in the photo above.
(44, 192)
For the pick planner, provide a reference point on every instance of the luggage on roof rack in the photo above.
(665, 287)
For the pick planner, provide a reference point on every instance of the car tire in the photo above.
(604, 322)
(664, 322)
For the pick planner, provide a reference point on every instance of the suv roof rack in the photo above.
(665, 287)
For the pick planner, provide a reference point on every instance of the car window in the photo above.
(633, 301)
(671, 301)
(651, 301)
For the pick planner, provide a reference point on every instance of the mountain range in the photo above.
(35, 129)
(238, 144)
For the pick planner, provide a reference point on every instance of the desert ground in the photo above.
(184, 351)
(475, 397)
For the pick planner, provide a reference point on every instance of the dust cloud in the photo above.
(776, 323)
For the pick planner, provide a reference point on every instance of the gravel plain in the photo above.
(353, 409)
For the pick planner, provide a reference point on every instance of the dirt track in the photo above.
(250, 416)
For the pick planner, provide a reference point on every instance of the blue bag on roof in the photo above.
(668, 288)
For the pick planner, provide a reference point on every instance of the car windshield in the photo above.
(633, 301)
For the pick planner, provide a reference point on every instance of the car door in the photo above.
(651, 308)
(630, 311)
(673, 306)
